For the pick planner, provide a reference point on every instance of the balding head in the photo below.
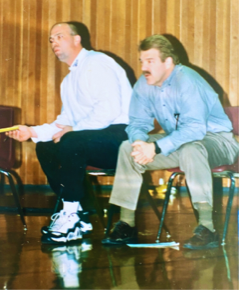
(65, 44)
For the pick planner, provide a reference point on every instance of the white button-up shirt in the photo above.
(95, 94)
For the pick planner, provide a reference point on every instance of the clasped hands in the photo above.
(143, 152)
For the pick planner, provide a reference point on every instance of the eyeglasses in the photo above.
(57, 37)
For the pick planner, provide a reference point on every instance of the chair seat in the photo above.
(228, 171)
(99, 171)
(7, 155)
(5, 164)
(234, 167)
(91, 168)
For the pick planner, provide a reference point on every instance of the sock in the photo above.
(205, 215)
(71, 207)
(127, 216)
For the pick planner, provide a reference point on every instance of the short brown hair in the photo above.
(78, 28)
(162, 44)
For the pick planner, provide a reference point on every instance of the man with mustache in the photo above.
(197, 137)
(95, 96)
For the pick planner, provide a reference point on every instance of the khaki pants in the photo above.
(196, 159)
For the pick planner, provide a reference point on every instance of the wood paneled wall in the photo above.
(31, 75)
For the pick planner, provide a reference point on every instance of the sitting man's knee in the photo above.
(125, 146)
(190, 150)
(67, 137)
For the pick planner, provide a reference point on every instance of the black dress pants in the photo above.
(64, 163)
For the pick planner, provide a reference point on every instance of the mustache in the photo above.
(146, 72)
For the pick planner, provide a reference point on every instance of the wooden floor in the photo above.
(26, 264)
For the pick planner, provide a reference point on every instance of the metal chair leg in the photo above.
(57, 204)
(165, 205)
(97, 206)
(229, 174)
(229, 205)
(15, 195)
(110, 214)
(227, 266)
(155, 209)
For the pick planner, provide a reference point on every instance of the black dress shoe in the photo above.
(203, 239)
(122, 234)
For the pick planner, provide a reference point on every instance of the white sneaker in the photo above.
(64, 228)
(86, 226)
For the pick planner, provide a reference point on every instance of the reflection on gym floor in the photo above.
(26, 264)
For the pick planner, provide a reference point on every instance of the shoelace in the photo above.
(62, 217)
(55, 217)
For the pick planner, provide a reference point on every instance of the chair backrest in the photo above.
(7, 152)
(233, 114)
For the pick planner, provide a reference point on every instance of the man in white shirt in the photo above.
(91, 126)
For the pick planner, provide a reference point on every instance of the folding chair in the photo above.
(152, 203)
(224, 171)
(7, 155)
(93, 171)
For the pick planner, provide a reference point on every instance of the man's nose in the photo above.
(53, 41)
(143, 66)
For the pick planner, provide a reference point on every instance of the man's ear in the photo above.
(169, 62)
(77, 39)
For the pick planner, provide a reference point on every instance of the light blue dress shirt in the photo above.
(95, 94)
(185, 96)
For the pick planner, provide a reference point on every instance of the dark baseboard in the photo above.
(29, 188)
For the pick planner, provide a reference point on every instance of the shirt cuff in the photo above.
(141, 137)
(166, 146)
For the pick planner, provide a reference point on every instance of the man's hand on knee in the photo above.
(143, 152)
(65, 128)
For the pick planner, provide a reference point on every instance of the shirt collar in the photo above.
(78, 59)
(168, 81)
